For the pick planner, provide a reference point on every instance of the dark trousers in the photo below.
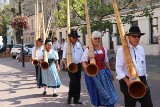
(145, 101)
(38, 75)
(75, 84)
(36, 68)
(60, 53)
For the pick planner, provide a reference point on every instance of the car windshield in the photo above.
(29, 46)
(17, 46)
(1, 46)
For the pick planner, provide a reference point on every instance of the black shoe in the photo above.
(69, 100)
(77, 102)
(44, 93)
(55, 95)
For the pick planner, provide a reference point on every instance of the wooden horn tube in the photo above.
(137, 89)
(73, 67)
(92, 69)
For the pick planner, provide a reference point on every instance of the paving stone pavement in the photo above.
(18, 86)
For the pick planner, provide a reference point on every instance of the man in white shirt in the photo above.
(61, 53)
(56, 44)
(75, 78)
(38, 56)
(138, 57)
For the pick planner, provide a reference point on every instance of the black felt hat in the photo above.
(74, 33)
(134, 30)
(47, 40)
(40, 40)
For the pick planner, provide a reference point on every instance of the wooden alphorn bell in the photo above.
(35, 61)
(44, 64)
(136, 88)
(72, 67)
(92, 68)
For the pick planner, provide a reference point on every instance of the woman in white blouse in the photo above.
(100, 87)
(50, 77)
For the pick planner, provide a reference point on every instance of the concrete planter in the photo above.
(5, 55)
(26, 58)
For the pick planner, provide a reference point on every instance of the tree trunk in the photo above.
(18, 37)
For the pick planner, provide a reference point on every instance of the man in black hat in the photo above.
(38, 55)
(138, 57)
(75, 78)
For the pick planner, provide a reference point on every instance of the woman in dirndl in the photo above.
(50, 77)
(100, 86)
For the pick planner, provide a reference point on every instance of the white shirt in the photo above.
(85, 56)
(39, 53)
(52, 52)
(56, 46)
(138, 57)
(62, 45)
(77, 52)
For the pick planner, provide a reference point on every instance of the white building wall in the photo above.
(144, 24)
(106, 40)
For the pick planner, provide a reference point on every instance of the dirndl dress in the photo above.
(50, 76)
(101, 89)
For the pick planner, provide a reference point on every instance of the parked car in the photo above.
(1, 46)
(30, 47)
(3, 49)
(6, 48)
(17, 49)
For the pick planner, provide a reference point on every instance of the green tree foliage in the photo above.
(98, 11)
(5, 20)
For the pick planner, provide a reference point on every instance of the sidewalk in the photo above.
(18, 86)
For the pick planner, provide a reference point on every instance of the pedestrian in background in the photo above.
(61, 53)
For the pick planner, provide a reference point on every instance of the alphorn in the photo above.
(92, 68)
(136, 88)
(35, 61)
(49, 25)
(44, 64)
(72, 67)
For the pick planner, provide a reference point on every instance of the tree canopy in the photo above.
(99, 10)
(5, 19)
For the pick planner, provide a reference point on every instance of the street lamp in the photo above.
(21, 31)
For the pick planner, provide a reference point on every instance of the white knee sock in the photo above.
(45, 88)
(54, 90)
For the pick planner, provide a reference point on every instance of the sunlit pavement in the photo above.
(18, 86)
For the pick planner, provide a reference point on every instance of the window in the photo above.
(84, 39)
(32, 24)
(134, 23)
(60, 36)
(154, 30)
(29, 40)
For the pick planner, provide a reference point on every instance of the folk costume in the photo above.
(100, 87)
(37, 67)
(138, 57)
(75, 78)
(50, 77)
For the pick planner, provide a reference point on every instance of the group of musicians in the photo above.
(100, 87)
